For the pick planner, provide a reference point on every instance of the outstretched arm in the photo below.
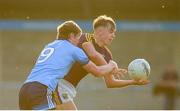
(98, 59)
(117, 83)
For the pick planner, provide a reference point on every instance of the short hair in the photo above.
(66, 28)
(104, 20)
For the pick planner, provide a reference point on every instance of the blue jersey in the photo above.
(55, 61)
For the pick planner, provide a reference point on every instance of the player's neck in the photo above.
(99, 43)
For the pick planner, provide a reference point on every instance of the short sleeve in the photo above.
(80, 56)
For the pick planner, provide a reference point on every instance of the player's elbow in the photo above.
(110, 85)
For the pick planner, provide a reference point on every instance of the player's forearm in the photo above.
(105, 69)
(98, 59)
(119, 83)
(99, 71)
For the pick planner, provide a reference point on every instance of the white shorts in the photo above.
(66, 91)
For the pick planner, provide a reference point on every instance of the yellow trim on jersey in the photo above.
(89, 37)
(56, 98)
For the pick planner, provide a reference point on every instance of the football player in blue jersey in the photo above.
(40, 91)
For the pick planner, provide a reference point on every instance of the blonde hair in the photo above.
(104, 20)
(67, 28)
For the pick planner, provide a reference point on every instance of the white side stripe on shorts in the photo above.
(49, 99)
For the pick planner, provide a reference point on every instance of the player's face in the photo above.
(106, 34)
(76, 38)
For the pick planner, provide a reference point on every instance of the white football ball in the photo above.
(139, 69)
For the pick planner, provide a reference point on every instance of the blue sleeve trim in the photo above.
(85, 62)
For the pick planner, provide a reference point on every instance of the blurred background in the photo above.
(148, 29)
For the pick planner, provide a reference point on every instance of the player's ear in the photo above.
(71, 35)
(97, 31)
